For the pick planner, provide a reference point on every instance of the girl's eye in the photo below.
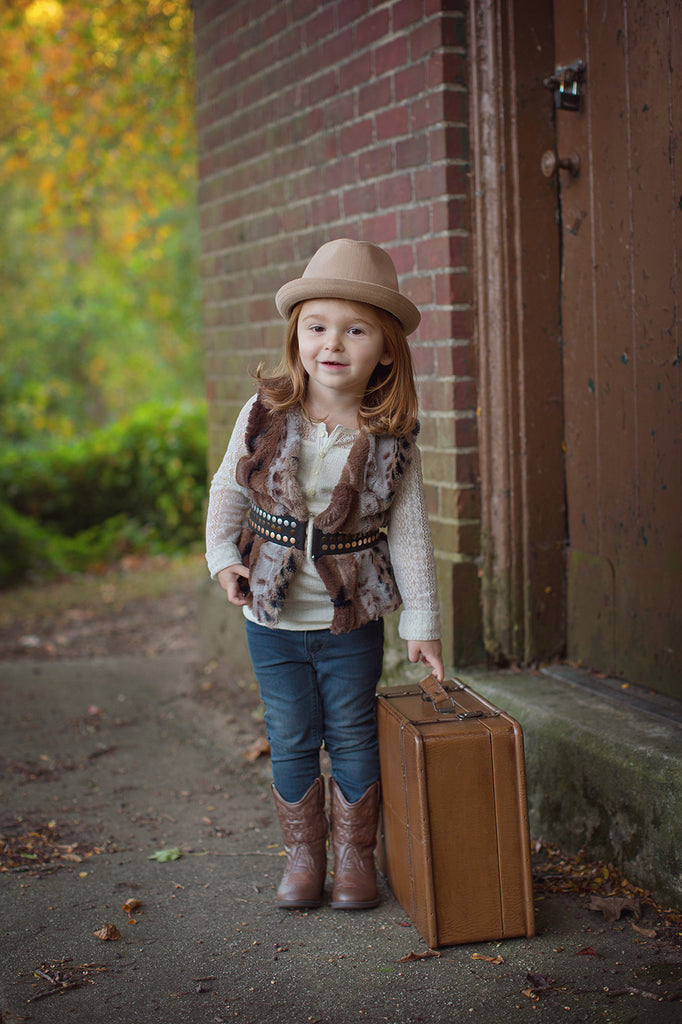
(356, 330)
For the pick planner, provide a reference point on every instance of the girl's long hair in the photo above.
(389, 405)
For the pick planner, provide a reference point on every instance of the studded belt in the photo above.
(291, 533)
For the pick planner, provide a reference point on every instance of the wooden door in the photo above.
(621, 232)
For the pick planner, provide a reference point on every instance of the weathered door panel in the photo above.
(591, 599)
(621, 232)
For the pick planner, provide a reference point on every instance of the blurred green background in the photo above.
(102, 424)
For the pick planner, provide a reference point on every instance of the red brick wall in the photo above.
(346, 118)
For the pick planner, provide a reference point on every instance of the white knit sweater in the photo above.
(322, 458)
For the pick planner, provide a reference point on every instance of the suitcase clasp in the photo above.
(440, 695)
(439, 703)
(477, 714)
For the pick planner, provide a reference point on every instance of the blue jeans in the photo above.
(319, 688)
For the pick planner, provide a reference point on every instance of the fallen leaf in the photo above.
(163, 856)
(419, 956)
(259, 748)
(538, 980)
(488, 959)
(540, 985)
(130, 905)
(108, 933)
(648, 933)
(613, 906)
(587, 951)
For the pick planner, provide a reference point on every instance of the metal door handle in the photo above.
(550, 163)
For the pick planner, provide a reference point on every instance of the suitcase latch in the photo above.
(451, 708)
(439, 703)
(440, 694)
(477, 714)
(461, 716)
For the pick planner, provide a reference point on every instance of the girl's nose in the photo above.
(333, 341)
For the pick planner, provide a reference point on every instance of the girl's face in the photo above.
(340, 344)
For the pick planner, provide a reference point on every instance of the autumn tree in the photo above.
(98, 234)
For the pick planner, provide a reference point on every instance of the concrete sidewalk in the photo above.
(603, 758)
(118, 756)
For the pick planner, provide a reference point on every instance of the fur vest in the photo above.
(360, 584)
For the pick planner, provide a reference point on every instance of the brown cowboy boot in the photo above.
(304, 828)
(354, 828)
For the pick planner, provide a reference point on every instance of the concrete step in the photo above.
(604, 769)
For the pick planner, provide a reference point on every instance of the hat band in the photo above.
(388, 299)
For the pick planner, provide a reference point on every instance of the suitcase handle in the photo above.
(443, 702)
(439, 695)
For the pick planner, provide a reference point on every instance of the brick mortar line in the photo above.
(353, 186)
(392, 35)
(266, 104)
(407, 207)
(234, 250)
(248, 273)
(437, 128)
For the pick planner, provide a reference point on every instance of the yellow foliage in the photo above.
(98, 368)
(16, 163)
(47, 181)
(98, 110)
(133, 142)
(47, 14)
(97, 171)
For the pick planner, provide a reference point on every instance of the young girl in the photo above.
(317, 527)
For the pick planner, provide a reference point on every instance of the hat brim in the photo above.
(354, 291)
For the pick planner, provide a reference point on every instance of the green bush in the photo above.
(138, 485)
(24, 546)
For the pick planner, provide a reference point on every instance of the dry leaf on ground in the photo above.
(648, 933)
(613, 906)
(259, 748)
(419, 956)
(130, 906)
(540, 985)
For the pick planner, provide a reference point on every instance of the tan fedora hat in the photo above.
(357, 271)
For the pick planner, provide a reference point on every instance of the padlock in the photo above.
(567, 96)
(566, 85)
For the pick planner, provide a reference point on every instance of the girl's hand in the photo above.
(235, 582)
(430, 652)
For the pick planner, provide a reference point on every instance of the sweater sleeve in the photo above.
(228, 502)
(411, 547)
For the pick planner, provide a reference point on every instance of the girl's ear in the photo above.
(386, 358)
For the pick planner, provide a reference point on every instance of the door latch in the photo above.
(566, 83)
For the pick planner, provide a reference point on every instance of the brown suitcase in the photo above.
(456, 842)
